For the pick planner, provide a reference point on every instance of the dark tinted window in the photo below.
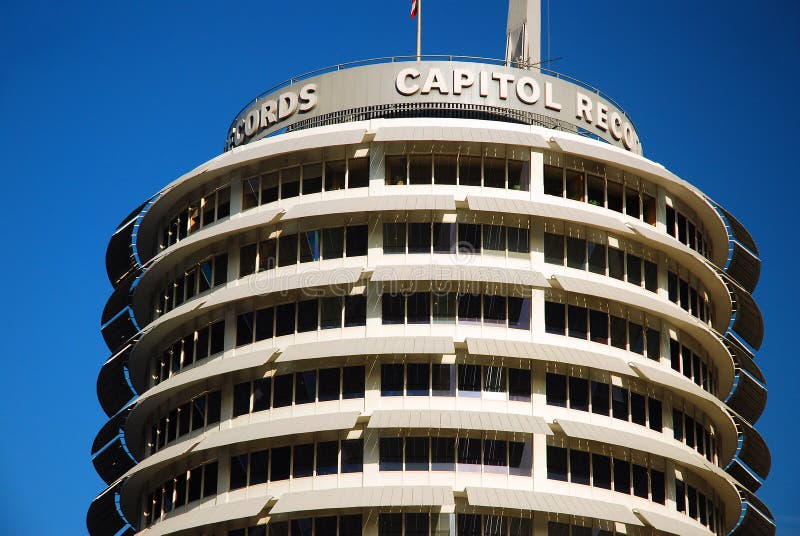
(576, 253)
(303, 460)
(556, 385)
(622, 476)
(418, 379)
(279, 466)
(283, 384)
(556, 463)
(554, 249)
(353, 382)
(390, 455)
(419, 237)
(241, 399)
(284, 319)
(469, 238)
(287, 250)
(579, 467)
(444, 237)
(394, 237)
(305, 387)
(355, 310)
(328, 384)
(600, 398)
(579, 394)
(357, 240)
(601, 471)
(393, 309)
(554, 320)
(327, 457)
(416, 453)
(238, 472)
(333, 243)
(391, 380)
(469, 377)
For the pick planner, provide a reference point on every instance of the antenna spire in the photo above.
(524, 33)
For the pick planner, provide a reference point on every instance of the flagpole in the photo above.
(419, 30)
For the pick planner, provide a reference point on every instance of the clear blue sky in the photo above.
(103, 103)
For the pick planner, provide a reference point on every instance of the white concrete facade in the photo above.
(524, 417)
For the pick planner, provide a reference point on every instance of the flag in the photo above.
(414, 8)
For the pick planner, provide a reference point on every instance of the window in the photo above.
(358, 172)
(238, 478)
(419, 169)
(305, 387)
(443, 453)
(518, 240)
(597, 258)
(554, 249)
(469, 171)
(654, 409)
(494, 453)
(394, 237)
(290, 182)
(393, 309)
(469, 308)
(577, 322)
(307, 316)
(247, 260)
(259, 466)
(390, 454)
(392, 380)
(280, 463)
(519, 384)
(416, 453)
(355, 310)
(396, 170)
(327, 458)
(556, 390)
(622, 476)
(241, 399)
(578, 393)
(638, 409)
(494, 172)
(494, 309)
(469, 451)
(267, 254)
(616, 263)
(330, 313)
(419, 308)
(469, 378)
(469, 238)
(444, 237)
(287, 250)
(601, 471)
(283, 387)
(600, 398)
(309, 246)
(579, 467)
(419, 237)
(619, 403)
(333, 243)
(418, 382)
(285, 319)
(554, 318)
(576, 253)
(444, 307)
(303, 461)
(312, 178)
(442, 380)
(575, 185)
(353, 382)
(519, 313)
(553, 181)
(329, 384)
(334, 175)
(494, 237)
(445, 169)
(556, 463)
(598, 326)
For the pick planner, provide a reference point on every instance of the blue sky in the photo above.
(103, 103)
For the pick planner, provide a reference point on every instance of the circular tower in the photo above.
(445, 296)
